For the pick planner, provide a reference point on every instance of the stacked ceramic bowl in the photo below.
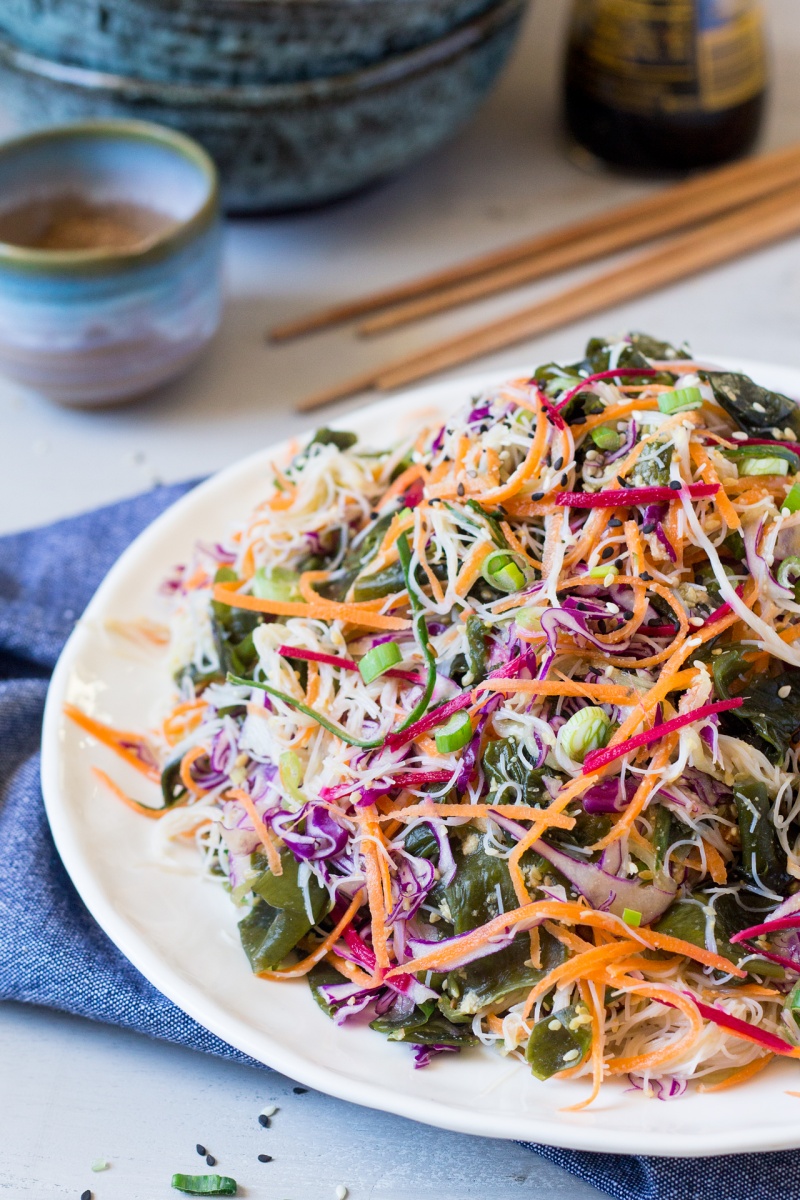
(298, 101)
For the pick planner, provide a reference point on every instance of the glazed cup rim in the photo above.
(104, 260)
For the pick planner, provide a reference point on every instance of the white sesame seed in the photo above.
(789, 434)
(716, 653)
(786, 512)
(571, 1055)
(785, 691)
(739, 436)
(100, 1164)
(269, 1111)
(341, 1192)
(696, 621)
(612, 608)
(609, 579)
(698, 664)
(633, 869)
(554, 1025)
(758, 407)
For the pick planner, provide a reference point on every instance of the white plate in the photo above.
(180, 931)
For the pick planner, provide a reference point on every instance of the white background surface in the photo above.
(69, 1091)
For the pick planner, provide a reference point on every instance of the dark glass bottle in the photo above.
(665, 84)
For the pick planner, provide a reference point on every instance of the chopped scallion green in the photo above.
(205, 1185)
(631, 917)
(682, 399)
(763, 466)
(455, 734)
(792, 501)
(606, 438)
(379, 660)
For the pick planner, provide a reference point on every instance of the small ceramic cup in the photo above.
(102, 324)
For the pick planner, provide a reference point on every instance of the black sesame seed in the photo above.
(579, 420)
(615, 523)
(607, 551)
(264, 1121)
(649, 527)
(558, 464)
(675, 484)
(87, 1195)
(374, 515)
(646, 576)
(623, 483)
(210, 1160)
(201, 1150)
(537, 496)
(298, 1091)
(265, 1158)
(564, 479)
(461, 489)
(627, 614)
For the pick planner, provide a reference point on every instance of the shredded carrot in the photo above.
(471, 566)
(118, 740)
(603, 693)
(519, 812)
(187, 779)
(349, 970)
(642, 794)
(591, 995)
(375, 890)
(144, 810)
(264, 835)
(749, 1071)
(402, 483)
(579, 967)
(326, 610)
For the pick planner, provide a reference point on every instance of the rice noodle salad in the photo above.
(489, 735)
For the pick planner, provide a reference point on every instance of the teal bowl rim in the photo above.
(472, 32)
(106, 261)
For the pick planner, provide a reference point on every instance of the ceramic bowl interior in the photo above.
(104, 165)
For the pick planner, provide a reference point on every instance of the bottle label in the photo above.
(670, 56)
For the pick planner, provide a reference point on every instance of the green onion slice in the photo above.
(606, 438)
(205, 1185)
(275, 583)
(505, 571)
(379, 660)
(632, 917)
(789, 571)
(603, 570)
(455, 734)
(682, 399)
(792, 501)
(763, 466)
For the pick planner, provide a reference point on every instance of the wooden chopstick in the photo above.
(663, 212)
(679, 213)
(746, 229)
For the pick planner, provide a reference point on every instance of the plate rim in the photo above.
(554, 1131)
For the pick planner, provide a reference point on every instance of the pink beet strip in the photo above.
(619, 373)
(347, 664)
(596, 759)
(658, 630)
(743, 1029)
(626, 497)
(436, 716)
(790, 922)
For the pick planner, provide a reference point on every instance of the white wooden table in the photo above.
(71, 1092)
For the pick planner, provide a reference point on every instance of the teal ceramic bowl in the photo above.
(229, 42)
(289, 145)
(99, 325)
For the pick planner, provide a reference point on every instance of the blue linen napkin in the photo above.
(51, 950)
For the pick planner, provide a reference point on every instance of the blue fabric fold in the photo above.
(53, 953)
